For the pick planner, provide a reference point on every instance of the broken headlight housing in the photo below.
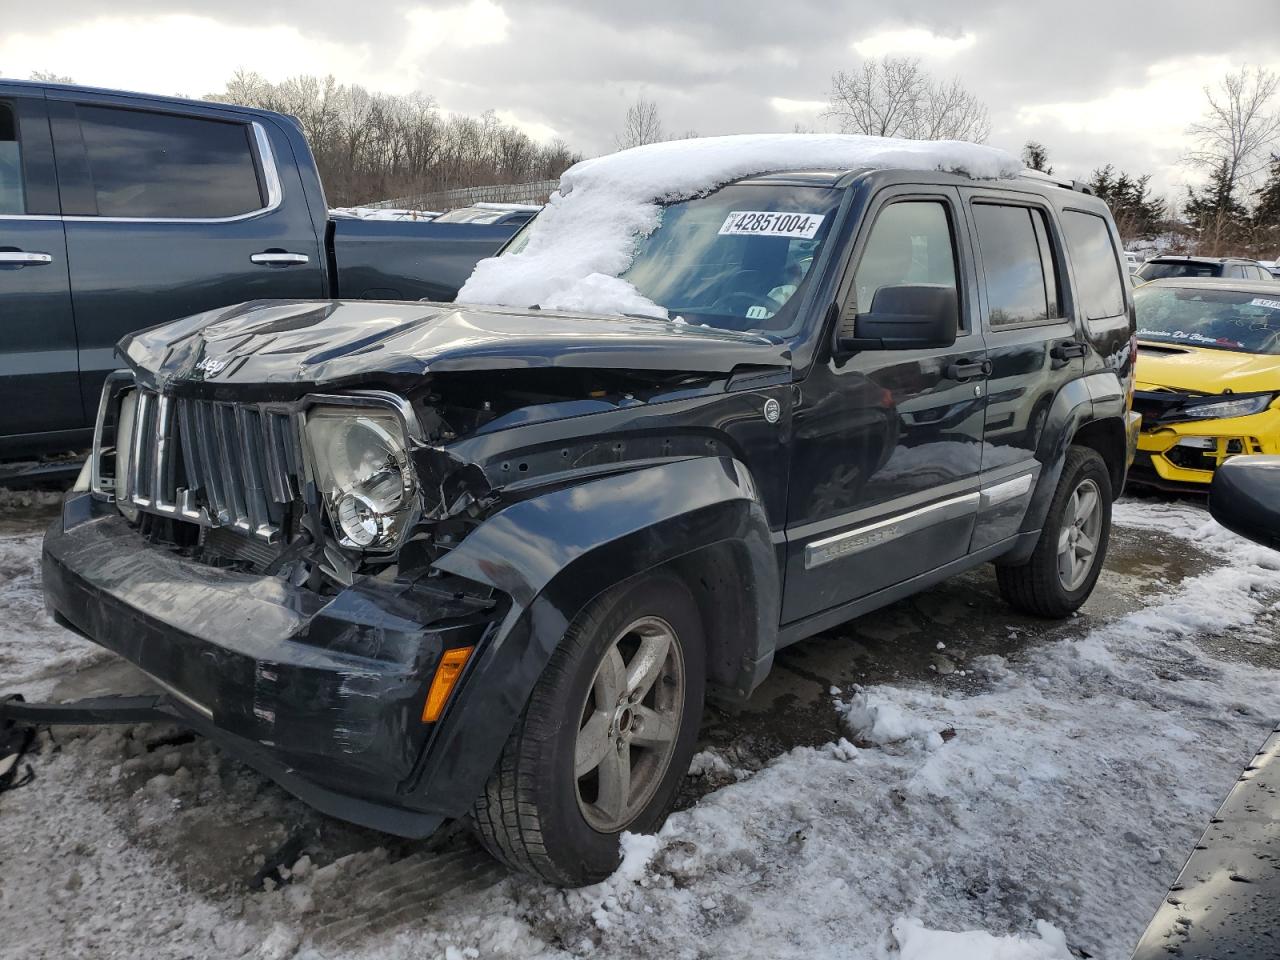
(360, 460)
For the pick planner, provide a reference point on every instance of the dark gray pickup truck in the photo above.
(120, 211)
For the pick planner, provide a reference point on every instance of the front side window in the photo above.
(158, 165)
(911, 243)
(1018, 264)
(1097, 268)
(1209, 317)
(12, 194)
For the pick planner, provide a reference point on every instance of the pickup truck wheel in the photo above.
(606, 737)
(1072, 547)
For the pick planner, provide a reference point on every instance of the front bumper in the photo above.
(1185, 455)
(323, 694)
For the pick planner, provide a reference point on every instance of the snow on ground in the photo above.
(585, 237)
(1041, 811)
(384, 213)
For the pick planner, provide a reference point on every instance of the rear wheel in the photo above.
(605, 739)
(1063, 569)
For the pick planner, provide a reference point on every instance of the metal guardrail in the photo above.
(536, 192)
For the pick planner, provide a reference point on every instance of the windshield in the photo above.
(1158, 270)
(1219, 319)
(736, 258)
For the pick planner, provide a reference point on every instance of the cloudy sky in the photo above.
(1095, 80)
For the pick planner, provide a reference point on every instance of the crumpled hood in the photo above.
(1204, 370)
(308, 343)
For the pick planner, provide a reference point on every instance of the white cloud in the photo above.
(1155, 113)
(789, 106)
(542, 132)
(475, 24)
(195, 55)
(913, 41)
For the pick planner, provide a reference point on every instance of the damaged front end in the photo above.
(1187, 436)
(274, 563)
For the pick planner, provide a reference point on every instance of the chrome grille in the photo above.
(235, 465)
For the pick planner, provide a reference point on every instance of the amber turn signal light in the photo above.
(447, 675)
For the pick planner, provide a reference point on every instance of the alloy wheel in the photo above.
(629, 724)
(1081, 531)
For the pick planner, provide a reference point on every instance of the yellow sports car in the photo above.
(1208, 377)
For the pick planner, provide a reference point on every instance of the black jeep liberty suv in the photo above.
(423, 561)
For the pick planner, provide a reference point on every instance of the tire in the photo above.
(537, 814)
(1046, 585)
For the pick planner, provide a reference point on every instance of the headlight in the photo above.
(1226, 409)
(361, 465)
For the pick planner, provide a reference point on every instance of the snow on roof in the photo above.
(585, 237)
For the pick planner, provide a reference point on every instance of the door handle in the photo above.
(274, 259)
(24, 259)
(1068, 350)
(968, 369)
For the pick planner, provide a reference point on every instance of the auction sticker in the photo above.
(762, 223)
(1255, 302)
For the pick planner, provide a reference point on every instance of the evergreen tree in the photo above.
(1137, 213)
(1215, 207)
(1266, 215)
(1036, 157)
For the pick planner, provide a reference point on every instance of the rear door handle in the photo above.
(279, 259)
(968, 369)
(23, 259)
(1068, 350)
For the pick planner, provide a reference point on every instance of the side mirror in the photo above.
(906, 317)
(1245, 498)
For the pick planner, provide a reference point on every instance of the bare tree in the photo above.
(896, 97)
(642, 125)
(1240, 126)
(48, 76)
(371, 145)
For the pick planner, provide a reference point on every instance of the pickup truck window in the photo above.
(12, 199)
(1097, 266)
(158, 165)
(738, 257)
(911, 242)
(1022, 283)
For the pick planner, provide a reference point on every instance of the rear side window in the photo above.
(1018, 264)
(1097, 265)
(159, 165)
(910, 243)
(12, 196)
(1160, 269)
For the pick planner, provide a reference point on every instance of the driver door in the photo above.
(888, 443)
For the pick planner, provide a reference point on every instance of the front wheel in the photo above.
(606, 737)
(1068, 557)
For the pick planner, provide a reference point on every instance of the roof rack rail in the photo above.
(1076, 185)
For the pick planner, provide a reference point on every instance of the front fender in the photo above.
(552, 554)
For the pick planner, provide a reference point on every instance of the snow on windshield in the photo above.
(585, 237)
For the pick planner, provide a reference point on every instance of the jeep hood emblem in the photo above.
(210, 365)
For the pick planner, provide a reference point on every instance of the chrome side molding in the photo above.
(882, 531)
